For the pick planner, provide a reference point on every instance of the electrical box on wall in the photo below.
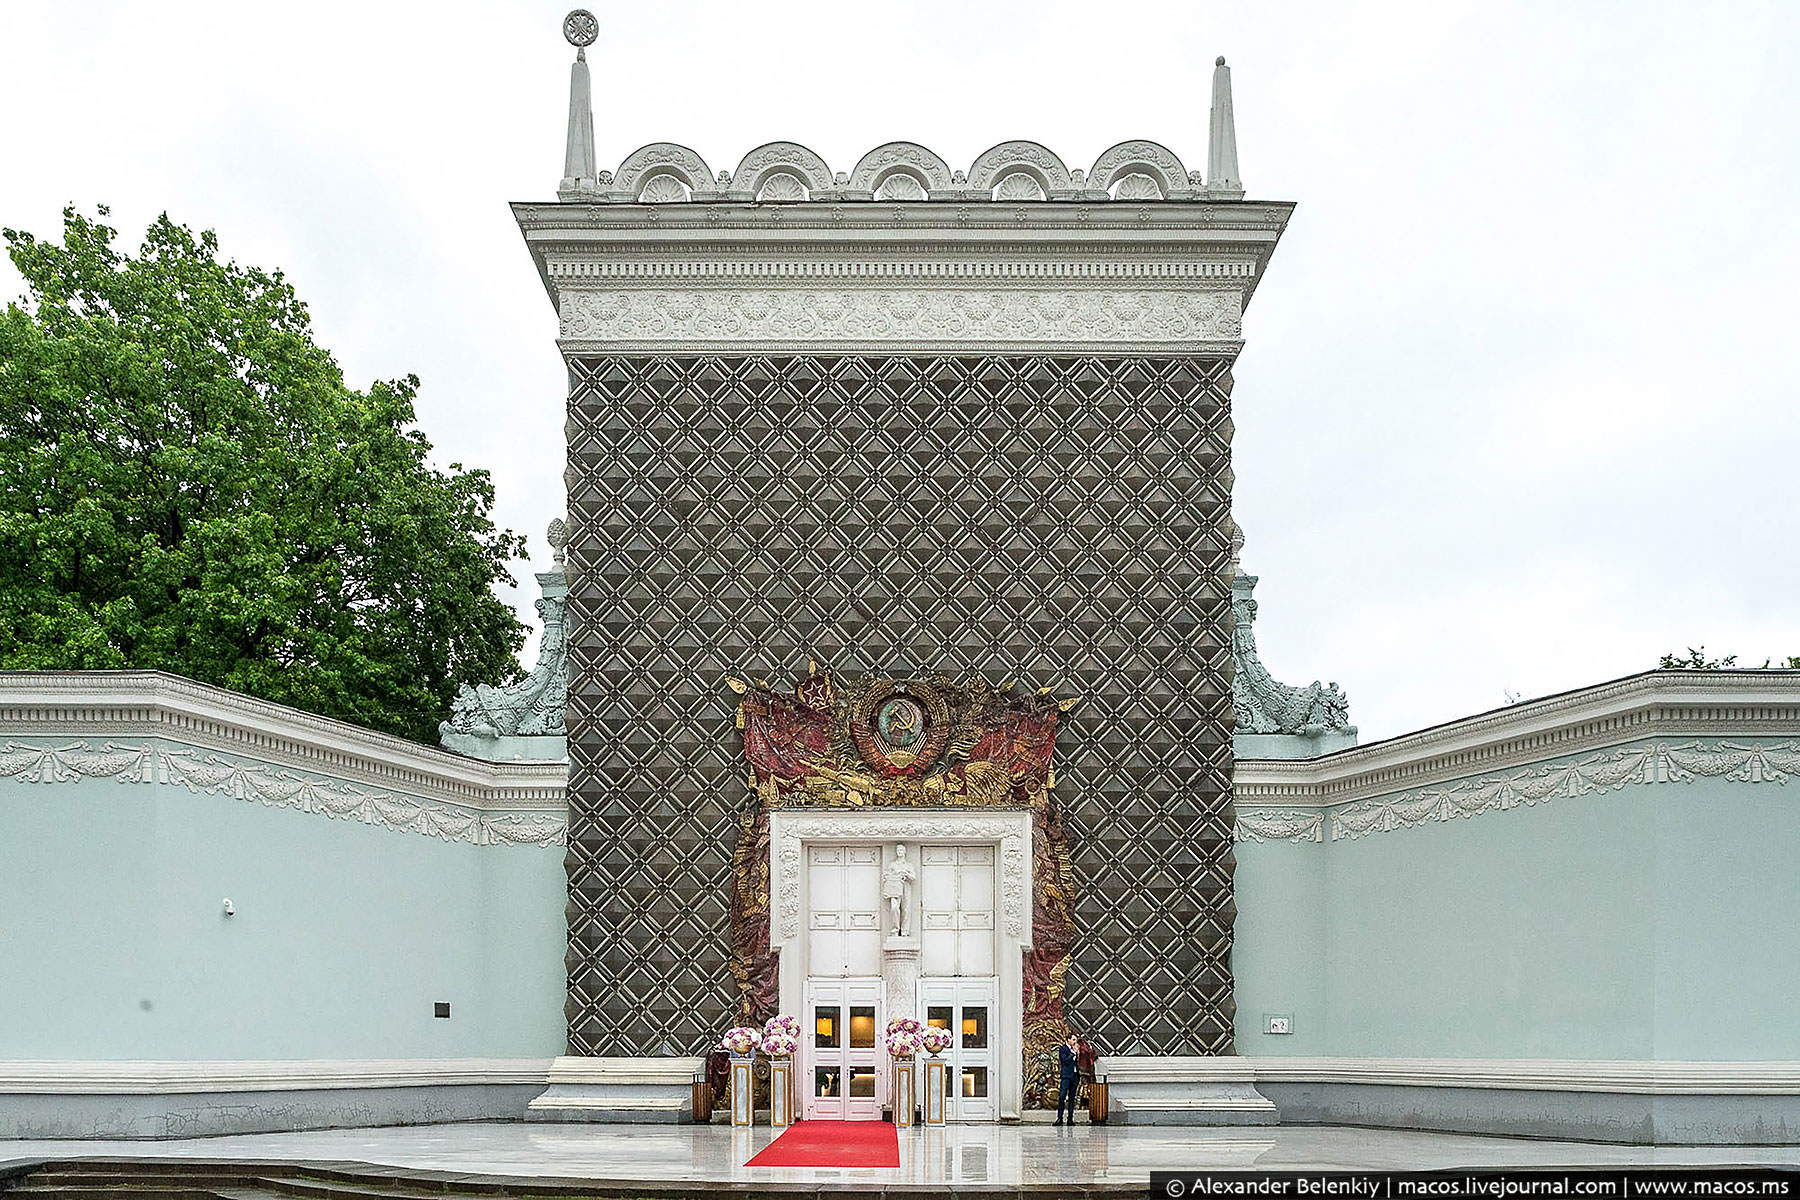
(1277, 1023)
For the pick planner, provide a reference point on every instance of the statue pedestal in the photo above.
(900, 972)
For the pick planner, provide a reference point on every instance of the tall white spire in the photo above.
(1222, 182)
(580, 28)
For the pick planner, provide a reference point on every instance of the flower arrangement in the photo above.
(903, 1034)
(780, 1036)
(935, 1039)
(740, 1041)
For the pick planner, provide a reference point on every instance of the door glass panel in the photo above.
(825, 1027)
(862, 1082)
(825, 1082)
(939, 1015)
(974, 1081)
(862, 1028)
(974, 1029)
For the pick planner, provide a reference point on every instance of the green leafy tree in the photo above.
(1696, 660)
(187, 484)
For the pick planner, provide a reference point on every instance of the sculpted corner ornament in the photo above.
(1263, 705)
(534, 706)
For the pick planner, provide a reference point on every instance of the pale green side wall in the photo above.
(345, 933)
(1659, 921)
(1728, 922)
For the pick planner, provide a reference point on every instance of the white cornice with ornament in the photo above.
(1660, 727)
(1169, 278)
(147, 727)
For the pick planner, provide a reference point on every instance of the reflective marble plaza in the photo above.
(1027, 1154)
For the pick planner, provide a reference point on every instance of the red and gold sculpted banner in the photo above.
(926, 742)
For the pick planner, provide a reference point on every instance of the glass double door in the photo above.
(965, 1006)
(843, 1061)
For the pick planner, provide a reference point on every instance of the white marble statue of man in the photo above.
(896, 880)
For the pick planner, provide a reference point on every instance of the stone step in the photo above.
(176, 1180)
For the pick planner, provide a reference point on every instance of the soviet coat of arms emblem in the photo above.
(923, 740)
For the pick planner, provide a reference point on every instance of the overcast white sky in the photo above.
(1518, 406)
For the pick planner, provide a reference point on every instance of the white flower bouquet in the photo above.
(740, 1041)
(777, 1042)
(935, 1039)
(903, 1034)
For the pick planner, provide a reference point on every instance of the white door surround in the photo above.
(1009, 835)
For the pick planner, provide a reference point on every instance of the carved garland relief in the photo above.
(278, 787)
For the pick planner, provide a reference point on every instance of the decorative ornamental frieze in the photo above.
(1527, 787)
(1009, 160)
(209, 772)
(800, 318)
(1150, 161)
(780, 159)
(1659, 762)
(1274, 825)
(897, 171)
(906, 160)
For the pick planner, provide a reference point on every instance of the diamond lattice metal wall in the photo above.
(1058, 519)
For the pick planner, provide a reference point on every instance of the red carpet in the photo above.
(832, 1144)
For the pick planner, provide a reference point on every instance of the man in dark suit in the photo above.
(1068, 1058)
